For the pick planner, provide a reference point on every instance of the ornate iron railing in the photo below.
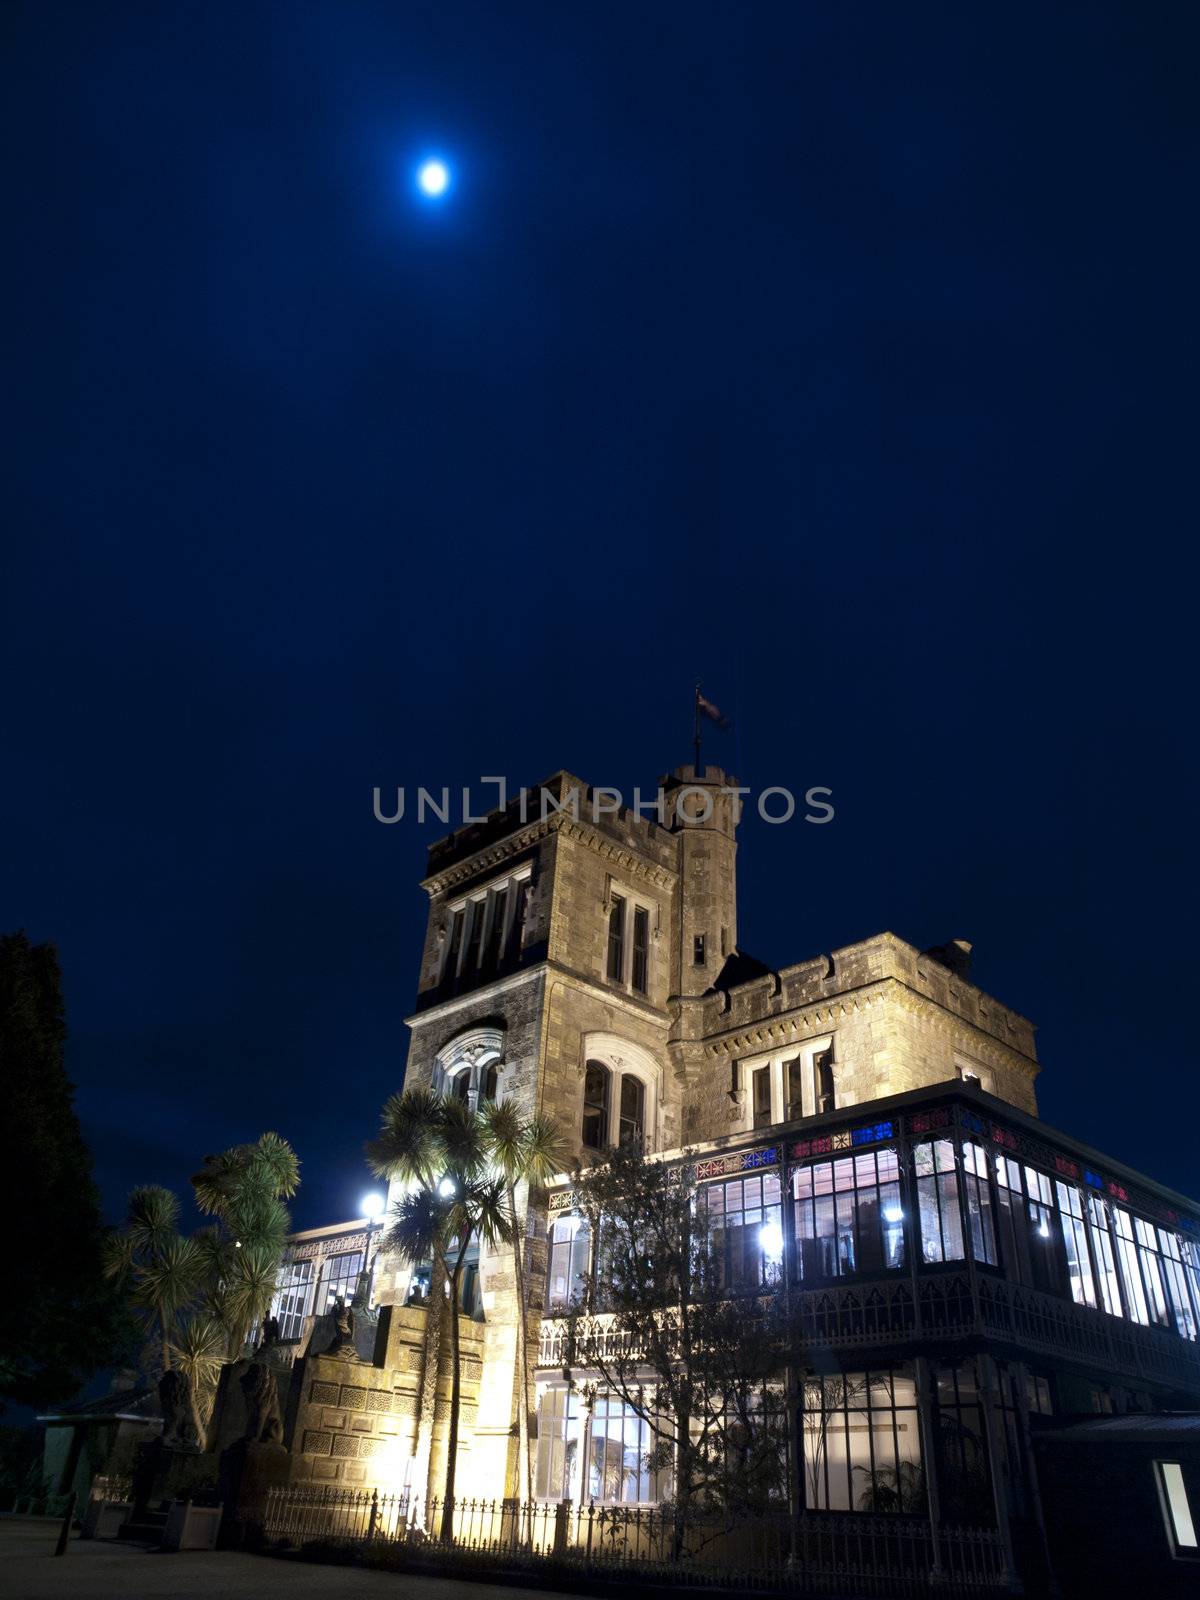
(811, 1554)
(864, 1315)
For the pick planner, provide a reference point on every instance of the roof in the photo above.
(1140, 1427)
(121, 1405)
(740, 967)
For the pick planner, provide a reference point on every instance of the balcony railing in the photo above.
(863, 1316)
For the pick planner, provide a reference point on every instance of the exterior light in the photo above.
(434, 178)
(770, 1241)
(373, 1206)
(893, 1214)
(446, 1187)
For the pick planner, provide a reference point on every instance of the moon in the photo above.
(433, 178)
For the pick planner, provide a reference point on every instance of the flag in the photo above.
(714, 712)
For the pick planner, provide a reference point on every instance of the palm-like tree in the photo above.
(161, 1267)
(527, 1150)
(439, 1148)
(244, 1188)
(198, 1348)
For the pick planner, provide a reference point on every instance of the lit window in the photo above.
(979, 1203)
(860, 1443)
(1079, 1267)
(937, 1201)
(570, 1249)
(291, 1298)
(557, 1443)
(745, 1230)
(618, 1468)
(339, 1280)
(1131, 1277)
(848, 1216)
(1177, 1513)
(1102, 1250)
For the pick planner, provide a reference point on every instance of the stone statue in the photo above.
(175, 1402)
(264, 1420)
(343, 1335)
(270, 1334)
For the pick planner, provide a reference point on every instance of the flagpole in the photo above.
(696, 728)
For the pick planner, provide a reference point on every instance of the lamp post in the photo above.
(373, 1206)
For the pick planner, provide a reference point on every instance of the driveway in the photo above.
(96, 1569)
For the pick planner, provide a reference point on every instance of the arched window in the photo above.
(469, 1067)
(620, 1093)
(631, 1127)
(596, 1081)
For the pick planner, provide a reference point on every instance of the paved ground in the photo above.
(97, 1570)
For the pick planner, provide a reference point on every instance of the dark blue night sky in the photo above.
(840, 356)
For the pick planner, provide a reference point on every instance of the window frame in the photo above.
(477, 943)
(631, 930)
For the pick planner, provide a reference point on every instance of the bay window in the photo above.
(860, 1444)
(937, 1201)
(743, 1220)
(1079, 1265)
(570, 1253)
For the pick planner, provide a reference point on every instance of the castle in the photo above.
(871, 1118)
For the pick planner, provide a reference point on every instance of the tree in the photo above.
(526, 1151)
(244, 1189)
(202, 1293)
(59, 1319)
(703, 1366)
(155, 1264)
(439, 1148)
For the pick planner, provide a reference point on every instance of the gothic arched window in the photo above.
(596, 1085)
(468, 1068)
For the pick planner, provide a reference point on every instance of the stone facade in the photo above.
(579, 932)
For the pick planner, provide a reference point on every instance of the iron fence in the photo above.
(829, 1553)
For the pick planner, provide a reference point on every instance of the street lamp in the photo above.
(373, 1207)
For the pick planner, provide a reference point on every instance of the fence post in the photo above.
(373, 1520)
(562, 1516)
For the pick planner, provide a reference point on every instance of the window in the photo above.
(1102, 1251)
(1151, 1272)
(698, 950)
(633, 1109)
(1037, 1395)
(965, 1481)
(1014, 1235)
(793, 1082)
(570, 1251)
(627, 961)
(557, 1444)
(498, 926)
(483, 930)
(1043, 1248)
(641, 948)
(1131, 1277)
(596, 1078)
(468, 1068)
(979, 1203)
(618, 1471)
(745, 1231)
(1177, 1288)
(475, 938)
(1177, 1513)
(848, 1216)
(291, 1298)
(937, 1201)
(614, 1105)
(1079, 1266)
(823, 1080)
(760, 1093)
(616, 940)
(861, 1444)
(339, 1280)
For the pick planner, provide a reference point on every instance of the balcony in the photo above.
(864, 1316)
